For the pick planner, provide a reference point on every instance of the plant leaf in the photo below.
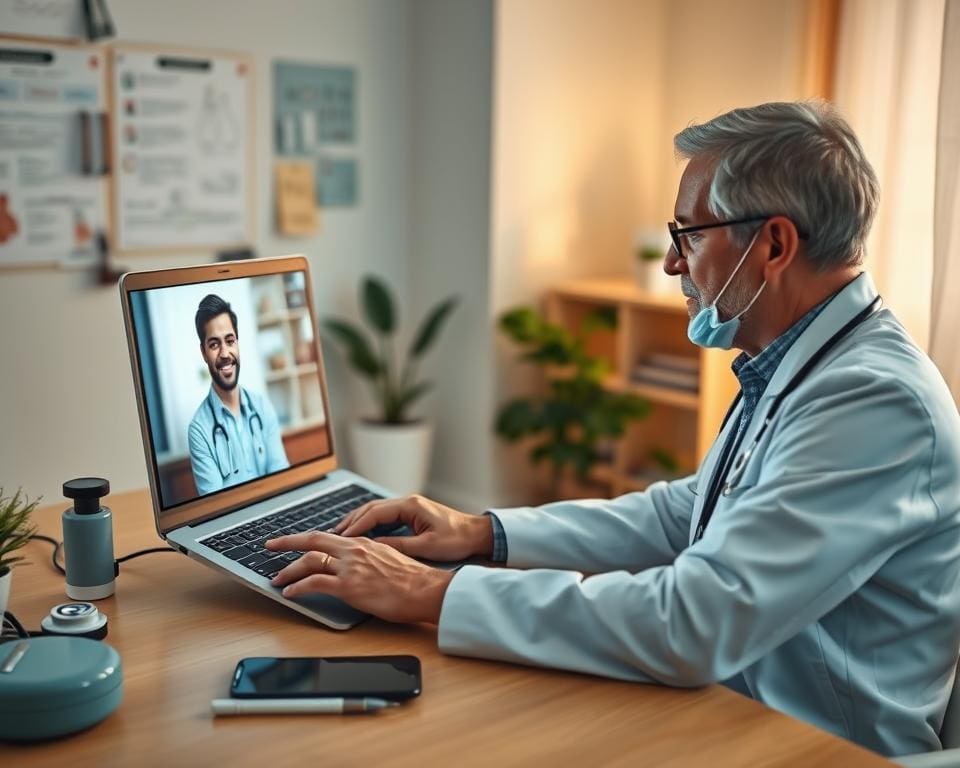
(15, 526)
(410, 396)
(355, 343)
(431, 326)
(378, 305)
(576, 411)
(552, 351)
(600, 319)
(516, 419)
(664, 460)
(522, 324)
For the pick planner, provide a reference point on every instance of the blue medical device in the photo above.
(52, 686)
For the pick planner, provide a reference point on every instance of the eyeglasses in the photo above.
(677, 232)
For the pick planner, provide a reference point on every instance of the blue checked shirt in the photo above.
(753, 373)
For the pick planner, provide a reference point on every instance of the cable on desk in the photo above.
(11, 620)
(144, 552)
(57, 545)
(11, 628)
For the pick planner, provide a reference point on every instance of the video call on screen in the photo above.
(245, 402)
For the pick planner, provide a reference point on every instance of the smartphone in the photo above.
(386, 677)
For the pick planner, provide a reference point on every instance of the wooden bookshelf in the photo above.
(285, 337)
(683, 421)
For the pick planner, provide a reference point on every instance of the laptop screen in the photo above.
(230, 382)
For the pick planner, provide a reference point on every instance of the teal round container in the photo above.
(52, 686)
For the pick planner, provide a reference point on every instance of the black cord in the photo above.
(56, 548)
(58, 545)
(9, 618)
(144, 552)
(12, 621)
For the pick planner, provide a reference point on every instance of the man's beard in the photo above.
(733, 300)
(222, 383)
(690, 291)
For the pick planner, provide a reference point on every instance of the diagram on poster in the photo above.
(51, 154)
(182, 145)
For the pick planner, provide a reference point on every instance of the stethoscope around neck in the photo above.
(727, 477)
(219, 429)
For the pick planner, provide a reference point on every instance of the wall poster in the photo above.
(182, 139)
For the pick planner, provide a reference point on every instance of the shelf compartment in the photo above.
(657, 395)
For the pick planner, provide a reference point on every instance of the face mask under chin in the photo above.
(706, 329)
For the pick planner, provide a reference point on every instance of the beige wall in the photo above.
(578, 107)
(587, 98)
(727, 54)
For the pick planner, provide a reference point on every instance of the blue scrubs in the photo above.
(232, 450)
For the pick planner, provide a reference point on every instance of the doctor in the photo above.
(234, 435)
(813, 561)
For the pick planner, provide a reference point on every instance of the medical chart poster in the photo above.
(182, 147)
(51, 190)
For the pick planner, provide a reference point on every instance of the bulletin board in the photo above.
(62, 19)
(182, 140)
(53, 153)
(315, 120)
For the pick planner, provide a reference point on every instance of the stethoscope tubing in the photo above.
(218, 427)
(727, 477)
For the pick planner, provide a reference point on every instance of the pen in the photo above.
(297, 706)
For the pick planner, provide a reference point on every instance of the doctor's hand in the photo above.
(440, 533)
(371, 577)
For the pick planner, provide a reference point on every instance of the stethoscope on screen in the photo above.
(726, 478)
(219, 429)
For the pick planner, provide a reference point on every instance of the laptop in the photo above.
(235, 418)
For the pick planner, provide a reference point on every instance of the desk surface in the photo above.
(180, 629)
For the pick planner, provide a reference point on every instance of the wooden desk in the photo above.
(180, 629)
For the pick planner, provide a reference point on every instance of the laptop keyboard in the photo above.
(245, 543)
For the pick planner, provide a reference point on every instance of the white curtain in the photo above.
(886, 83)
(945, 309)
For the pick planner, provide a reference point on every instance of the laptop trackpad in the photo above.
(390, 529)
(332, 610)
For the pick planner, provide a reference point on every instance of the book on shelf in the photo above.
(665, 377)
(685, 363)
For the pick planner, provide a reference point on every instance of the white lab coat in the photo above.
(826, 584)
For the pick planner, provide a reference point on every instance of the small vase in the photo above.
(395, 456)
(651, 278)
(5, 580)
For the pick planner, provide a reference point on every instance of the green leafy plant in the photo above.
(665, 461)
(396, 386)
(649, 253)
(577, 415)
(15, 527)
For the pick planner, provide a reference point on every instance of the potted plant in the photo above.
(577, 419)
(649, 252)
(393, 447)
(15, 531)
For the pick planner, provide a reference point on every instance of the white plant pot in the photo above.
(5, 590)
(396, 456)
(651, 278)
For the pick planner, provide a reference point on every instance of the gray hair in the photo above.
(795, 159)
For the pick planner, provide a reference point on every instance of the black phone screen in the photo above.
(387, 677)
